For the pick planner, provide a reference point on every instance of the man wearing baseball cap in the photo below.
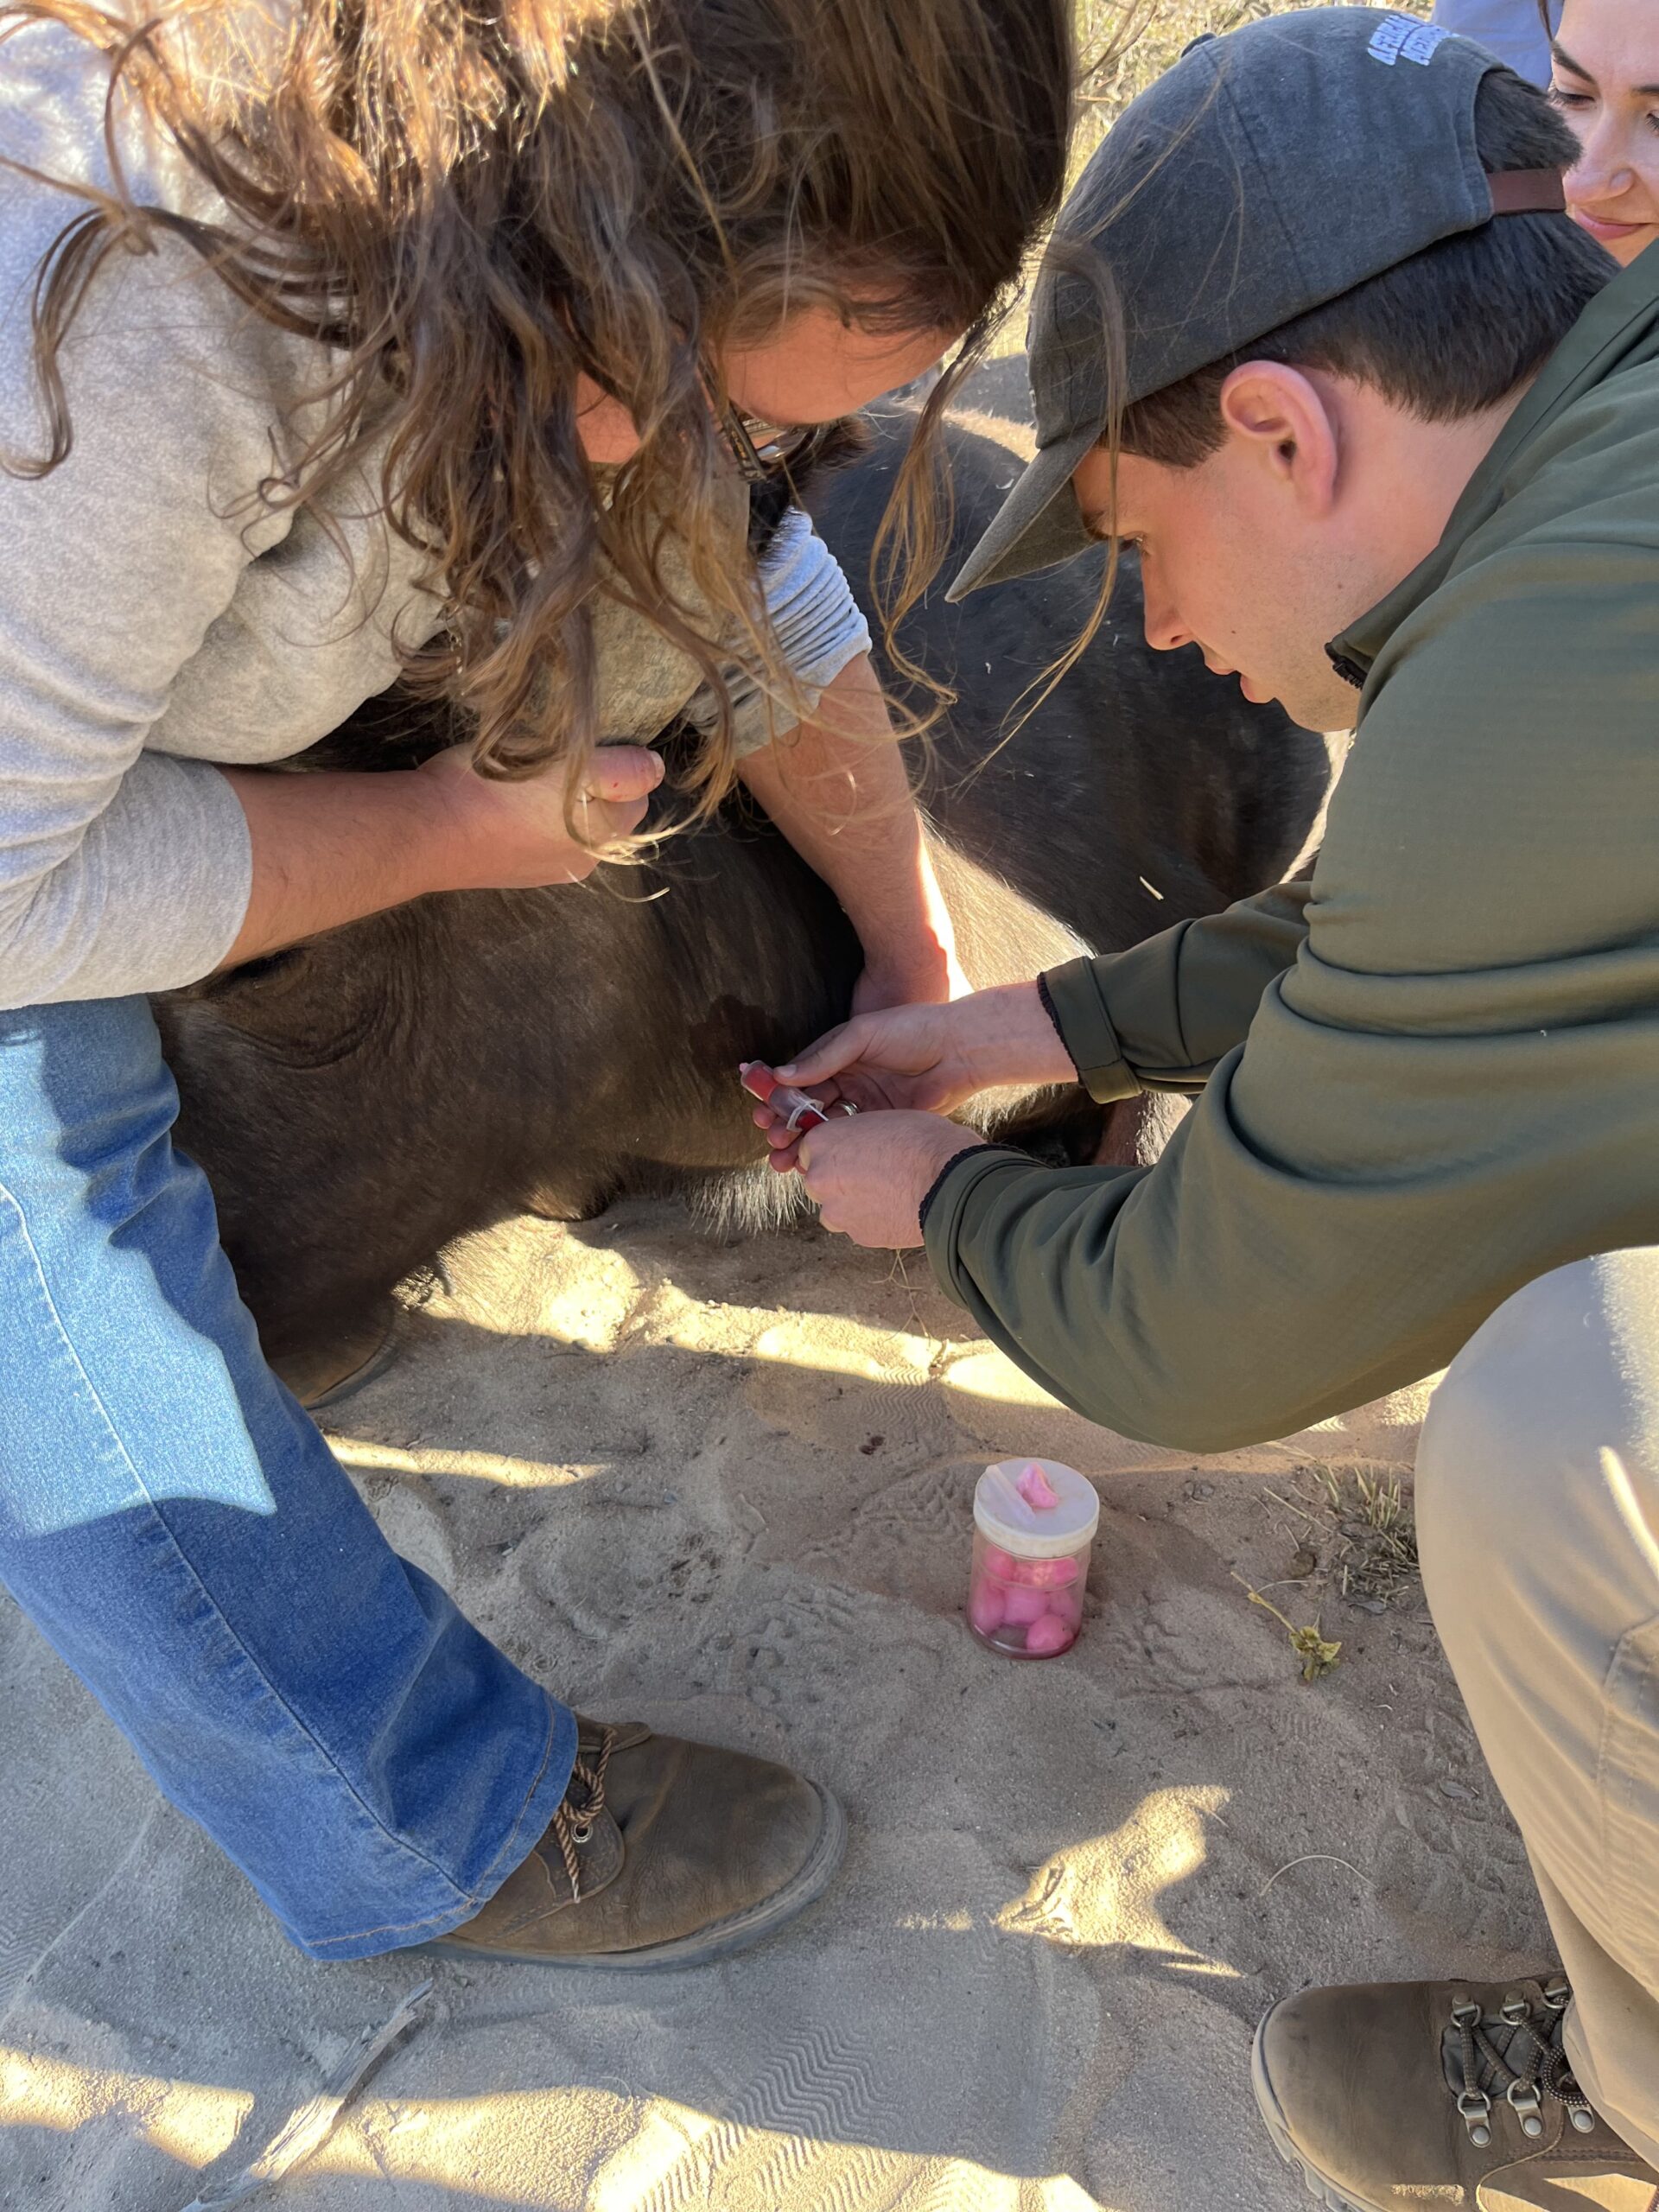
(1383, 425)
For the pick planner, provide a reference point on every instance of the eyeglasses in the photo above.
(763, 450)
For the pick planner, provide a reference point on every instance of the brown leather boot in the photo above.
(1401, 2096)
(664, 1853)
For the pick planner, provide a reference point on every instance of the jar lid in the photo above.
(1004, 1516)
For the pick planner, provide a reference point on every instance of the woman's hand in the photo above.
(838, 789)
(929, 973)
(511, 835)
(328, 849)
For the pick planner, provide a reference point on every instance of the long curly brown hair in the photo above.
(473, 201)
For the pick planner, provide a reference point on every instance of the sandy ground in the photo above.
(725, 1487)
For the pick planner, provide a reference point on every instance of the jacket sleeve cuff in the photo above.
(934, 1188)
(943, 1207)
(1077, 1005)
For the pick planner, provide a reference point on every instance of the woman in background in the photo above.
(1600, 61)
(1605, 81)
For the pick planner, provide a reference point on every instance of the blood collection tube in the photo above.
(799, 1112)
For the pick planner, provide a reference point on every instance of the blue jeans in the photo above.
(175, 1525)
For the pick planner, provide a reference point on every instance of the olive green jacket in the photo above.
(1431, 1073)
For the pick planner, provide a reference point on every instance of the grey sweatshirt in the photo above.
(156, 616)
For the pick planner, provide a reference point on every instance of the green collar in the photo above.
(1618, 325)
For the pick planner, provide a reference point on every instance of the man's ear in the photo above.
(1280, 418)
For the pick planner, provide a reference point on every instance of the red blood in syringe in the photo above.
(798, 1111)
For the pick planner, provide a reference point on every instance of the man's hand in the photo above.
(869, 1178)
(926, 1059)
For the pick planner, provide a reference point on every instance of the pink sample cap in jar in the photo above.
(1035, 1522)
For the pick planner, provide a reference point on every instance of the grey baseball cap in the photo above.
(1268, 171)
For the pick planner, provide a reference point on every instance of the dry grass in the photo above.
(1125, 45)
(1355, 1533)
(1130, 42)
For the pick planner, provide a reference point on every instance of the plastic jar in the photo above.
(1031, 1558)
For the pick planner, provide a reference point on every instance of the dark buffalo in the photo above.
(360, 1100)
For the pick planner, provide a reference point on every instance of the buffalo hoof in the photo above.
(322, 1377)
(565, 1202)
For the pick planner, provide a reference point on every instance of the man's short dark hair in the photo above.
(1447, 333)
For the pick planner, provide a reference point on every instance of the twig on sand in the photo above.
(310, 2128)
(1307, 1858)
(899, 1273)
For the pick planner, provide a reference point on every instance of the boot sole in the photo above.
(1319, 2186)
(716, 1942)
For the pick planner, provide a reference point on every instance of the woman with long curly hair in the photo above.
(341, 342)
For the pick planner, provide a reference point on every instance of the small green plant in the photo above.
(1318, 1652)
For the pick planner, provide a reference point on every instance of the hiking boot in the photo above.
(1419, 2093)
(662, 1853)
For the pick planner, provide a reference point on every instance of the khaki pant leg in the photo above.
(1538, 1517)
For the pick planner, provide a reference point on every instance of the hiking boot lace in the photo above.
(1514, 2054)
(573, 1824)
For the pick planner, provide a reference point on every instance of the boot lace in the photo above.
(573, 1824)
(1514, 2054)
